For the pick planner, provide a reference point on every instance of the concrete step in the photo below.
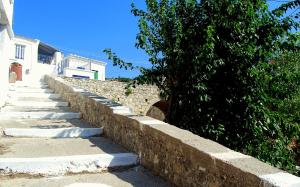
(41, 87)
(23, 96)
(44, 156)
(28, 83)
(44, 124)
(73, 132)
(10, 108)
(28, 90)
(34, 86)
(36, 99)
(40, 104)
(24, 85)
(136, 176)
(51, 147)
(39, 115)
(60, 165)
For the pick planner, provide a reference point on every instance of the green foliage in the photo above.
(280, 81)
(210, 59)
(117, 61)
(121, 79)
(128, 91)
(295, 4)
(274, 152)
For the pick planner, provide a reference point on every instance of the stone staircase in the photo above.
(42, 137)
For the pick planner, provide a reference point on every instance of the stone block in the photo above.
(181, 157)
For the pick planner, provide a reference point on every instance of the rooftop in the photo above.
(47, 49)
(86, 59)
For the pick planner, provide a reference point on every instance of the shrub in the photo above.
(210, 59)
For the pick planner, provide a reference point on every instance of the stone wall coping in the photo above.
(242, 168)
(139, 98)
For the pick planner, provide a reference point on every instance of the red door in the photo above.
(17, 68)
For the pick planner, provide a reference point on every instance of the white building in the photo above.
(6, 36)
(81, 67)
(36, 58)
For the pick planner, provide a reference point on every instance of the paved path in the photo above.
(44, 143)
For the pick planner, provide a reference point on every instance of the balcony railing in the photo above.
(44, 59)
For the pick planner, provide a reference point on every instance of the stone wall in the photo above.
(181, 157)
(139, 99)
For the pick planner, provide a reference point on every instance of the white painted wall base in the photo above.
(282, 179)
(121, 110)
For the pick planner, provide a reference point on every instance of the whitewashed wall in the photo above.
(6, 35)
(39, 71)
(30, 56)
(30, 62)
(7, 9)
(70, 64)
(101, 70)
(5, 47)
(68, 72)
(74, 63)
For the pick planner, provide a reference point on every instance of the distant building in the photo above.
(81, 67)
(31, 59)
(6, 37)
(35, 57)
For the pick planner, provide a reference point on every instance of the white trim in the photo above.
(38, 104)
(281, 179)
(87, 185)
(73, 132)
(66, 164)
(85, 59)
(39, 115)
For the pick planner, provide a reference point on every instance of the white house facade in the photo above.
(35, 57)
(6, 37)
(30, 59)
(81, 67)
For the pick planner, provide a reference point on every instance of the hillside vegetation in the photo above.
(229, 71)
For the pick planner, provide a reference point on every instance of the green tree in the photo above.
(207, 59)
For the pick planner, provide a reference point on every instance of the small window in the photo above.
(20, 51)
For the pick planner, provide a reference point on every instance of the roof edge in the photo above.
(85, 58)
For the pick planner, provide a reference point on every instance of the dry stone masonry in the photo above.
(179, 156)
(44, 143)
(139, 99)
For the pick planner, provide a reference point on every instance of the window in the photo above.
(20, 50)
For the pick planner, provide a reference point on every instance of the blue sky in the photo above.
(84, 27)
